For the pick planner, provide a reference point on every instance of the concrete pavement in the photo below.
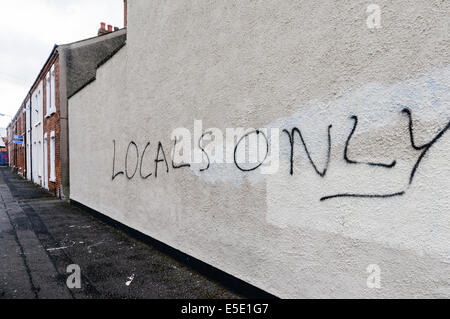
(40, 236)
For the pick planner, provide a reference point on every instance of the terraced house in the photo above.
(42, 120)
(15, 141)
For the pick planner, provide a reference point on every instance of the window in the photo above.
(45, 161)
(53, 91)
(38, 106)
(33, 164)
(39, 161)
(36, 110)
(48, 91)
(52, 158)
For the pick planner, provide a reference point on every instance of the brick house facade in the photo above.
(43, 117)
(16, 151)
(20, 148)
(52, 127)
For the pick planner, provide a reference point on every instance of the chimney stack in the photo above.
(106, 29)
(125, 13)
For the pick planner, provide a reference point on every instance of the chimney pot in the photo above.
(110, 28)
(102, 29)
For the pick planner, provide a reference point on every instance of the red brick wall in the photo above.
(21, 159)
(52, 124)
(18, 153)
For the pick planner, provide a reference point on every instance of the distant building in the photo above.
(15, 142)
(3, 151)
(9, 144)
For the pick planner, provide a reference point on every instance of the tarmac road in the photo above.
(40, 236)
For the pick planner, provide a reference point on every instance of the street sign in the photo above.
(18, 139)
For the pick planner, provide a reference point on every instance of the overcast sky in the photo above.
(30, 28)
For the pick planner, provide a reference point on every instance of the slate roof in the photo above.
(84, 57)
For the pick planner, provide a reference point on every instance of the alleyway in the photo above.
(41, 236)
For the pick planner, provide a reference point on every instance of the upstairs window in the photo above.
(48, 91)
(36, 109)
(52, 91)
(50, 105)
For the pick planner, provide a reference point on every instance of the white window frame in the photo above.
(45, 161)
(40, 157)
(36, 110)
(38, 102)
(53, 90)
(48, 91)
(52, 157)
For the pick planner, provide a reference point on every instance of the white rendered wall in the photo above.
(285, 65)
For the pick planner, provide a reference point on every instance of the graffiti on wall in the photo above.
(136, 158)
(382, 131)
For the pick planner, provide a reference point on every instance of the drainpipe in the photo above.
(24, 169)
(125, 13)
(14, 145)
(31, 135)
(25, 140)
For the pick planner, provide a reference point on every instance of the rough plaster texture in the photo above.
(272, 64)
(78, 63)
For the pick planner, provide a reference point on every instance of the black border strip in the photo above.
(230, 282)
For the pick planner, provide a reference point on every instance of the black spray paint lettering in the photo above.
(424, 148)
(258, 133)
(114, 174)
(371, 196)
(173, 157)
(308, 154)
(203, 150)
(142, 161)
(161, 157)
(126, 160)
(158, 160)
(347, 145)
